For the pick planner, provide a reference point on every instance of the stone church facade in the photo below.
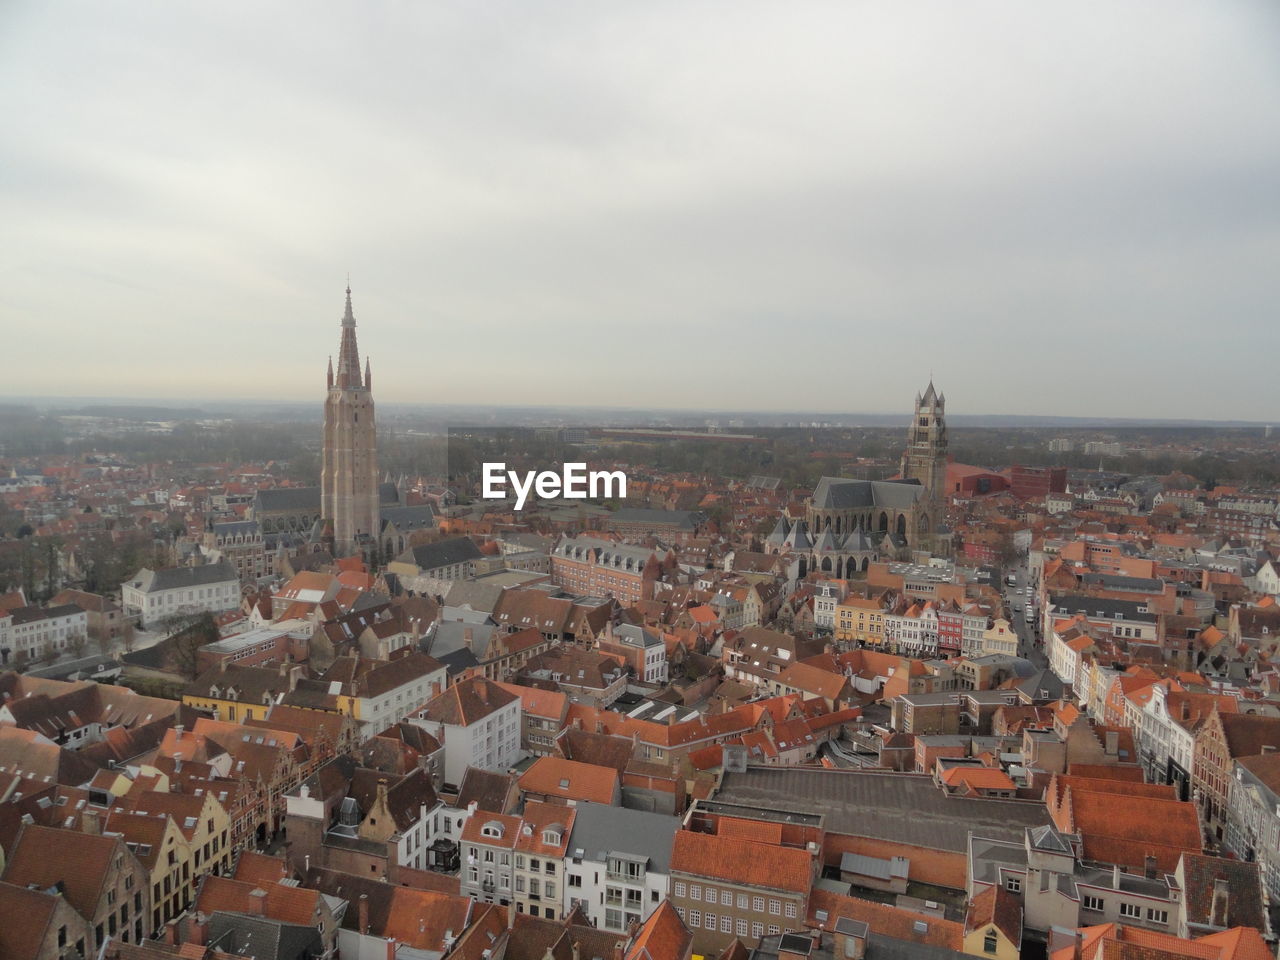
(349, 500)
(849, 523)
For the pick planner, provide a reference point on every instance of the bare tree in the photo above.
(188, 631)
(102, 639)
(128, 636)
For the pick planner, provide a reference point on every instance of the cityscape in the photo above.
(655, 601)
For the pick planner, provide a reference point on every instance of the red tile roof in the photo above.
(742, 861)
(570, 780)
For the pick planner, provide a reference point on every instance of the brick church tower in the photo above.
(925, 458)
(349, 471)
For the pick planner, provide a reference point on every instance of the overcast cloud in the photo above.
(1057, 208)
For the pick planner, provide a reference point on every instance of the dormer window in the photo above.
(551, 838)
(491, 829)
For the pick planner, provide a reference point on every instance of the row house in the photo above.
(860, 620)
(365, 821)
(826, 597)
(1253, 816)
(517, 861)
(1057, 886)
(758, 655)
(618, 863)
(31, 632)
(569, 619)
(725, 886)
(639, 649)
(542, 717)
(104, 618)
(478, 721)
(1164, 729)
(912, 629)
(97, 874)
(380, 693)
(586, 676)
(259, 765)
(177, 837)
(1222, 739)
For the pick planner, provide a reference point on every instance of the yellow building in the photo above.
(177, 837)
(166, 856)
(993, 925)
(858, 619)
(238, 694)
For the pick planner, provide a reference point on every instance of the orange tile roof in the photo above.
(887, 920)
(571, 780)
(741, 861)
(662, 936)
(978, 778)
(287, 904)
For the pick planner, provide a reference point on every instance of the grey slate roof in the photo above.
(606, 552)
(684, 519)
(263, 938)
(902, 807)
(634, 636)
(1104, 607)
(600, 830)
(172, 578)
(420, 517)
(432, 556)
(287, 499)
(839, 493)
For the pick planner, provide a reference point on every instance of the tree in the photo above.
(187, 633)
(128, 636)
(77, 643)
(102, 639)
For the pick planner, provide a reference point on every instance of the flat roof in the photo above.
(901, 807)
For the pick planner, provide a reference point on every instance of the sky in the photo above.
(1060, 208)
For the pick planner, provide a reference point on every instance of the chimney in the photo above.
(364, 914)
(1115, 876)
(198, 929)
(391, 948)
(177, 731)
(90, 822)
(1218, 910)
(1113, 743)
(1149, 867)
(467, 637)
(577, 951)
(258, 903)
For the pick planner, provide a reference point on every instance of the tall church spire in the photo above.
(349, 501)
(348, 352)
